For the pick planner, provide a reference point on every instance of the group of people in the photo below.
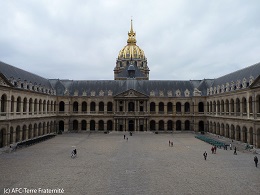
(126, 138)
(214, 148)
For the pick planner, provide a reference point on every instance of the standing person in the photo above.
(230, 146)
(205, 155)
(124, 136)
(235, 150)
(169, 143)
(256, 161)
(215, 149)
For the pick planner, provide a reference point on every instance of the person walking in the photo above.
(235, 150)
(256, 161)
(230, 146)
(205, 155)
(169, 143)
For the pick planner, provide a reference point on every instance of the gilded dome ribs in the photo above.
(131, 54)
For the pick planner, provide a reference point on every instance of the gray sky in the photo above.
(81, 39)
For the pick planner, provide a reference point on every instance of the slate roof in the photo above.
(119, 86)
(253, 70)
(18, 74)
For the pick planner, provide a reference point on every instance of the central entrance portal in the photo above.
(131, 125)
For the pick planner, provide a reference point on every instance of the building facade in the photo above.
(32, 106)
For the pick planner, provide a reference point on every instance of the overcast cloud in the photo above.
(80, 39)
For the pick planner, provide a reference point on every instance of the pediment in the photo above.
(256, 83)
(131, 94)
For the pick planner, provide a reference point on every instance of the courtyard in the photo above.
(143, 164)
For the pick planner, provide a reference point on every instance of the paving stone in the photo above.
(145, 164)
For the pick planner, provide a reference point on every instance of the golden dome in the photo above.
(131, 50)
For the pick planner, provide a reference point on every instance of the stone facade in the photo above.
(32, 106)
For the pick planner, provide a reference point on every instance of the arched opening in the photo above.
(61, 126)
(39, 129)
(187, 107)
(201, 107)
(258, 138)
(187, 125)
(101, 125)
(24, 133)
(92, 107)
(75, 125)
(44, 106)
(161, 107)
(257, 101)
(3, 104)
(244, 106)
(109, 107)
(110, 125)
(12, 104)
(17, 134)
(84, 106)
(92, 125)
(44, 128)
(227, 131)
(251, 105)
(232, 106)
(222, 130)
(30, 106)
(11, 135)
(244, 135)
(152, 107)
(35, 130)
(30, 132)
(218, 107)
(227, 107)
(75, 107)
(178, 107)
(232, 136)
(237, 106)
(169, 125)
(152, 125)
(201, 126)
(214, 107)
(251, 136)
(218, 129)
(83, 125)
(178, 125)
(222, 107)
(18, 105)
(101, 107)
(24, 105)
(169, 107)
(238, 133)
(61, 106)
(2, 138)
(161, 125)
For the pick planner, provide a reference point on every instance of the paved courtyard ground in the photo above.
(145, 164)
